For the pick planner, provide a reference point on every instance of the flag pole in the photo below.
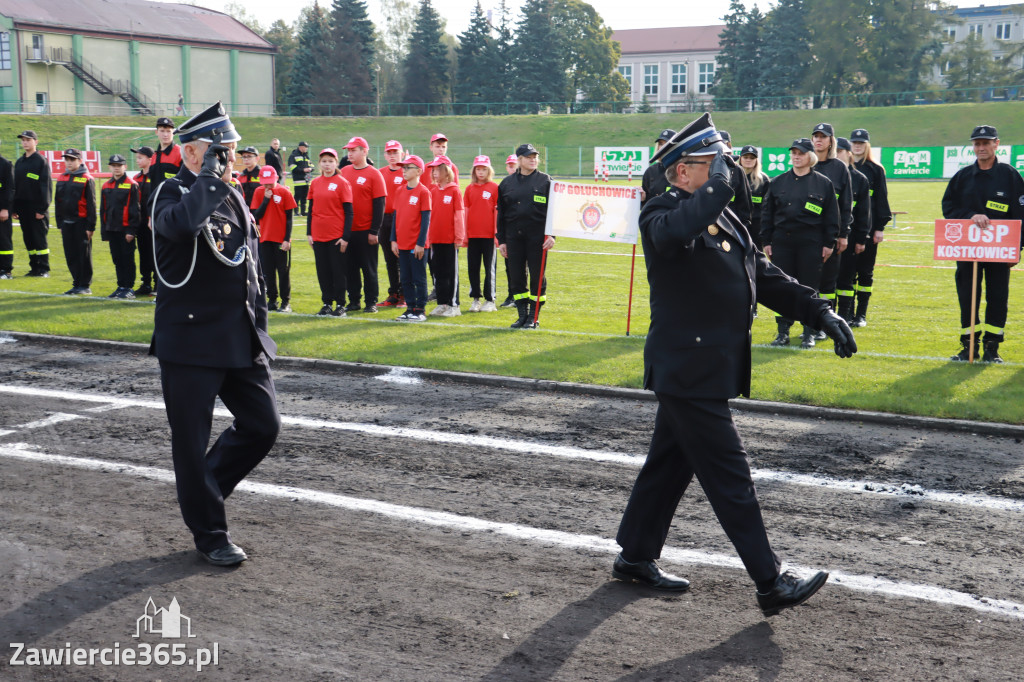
(540, 283)
(974, 310)
(629, 308)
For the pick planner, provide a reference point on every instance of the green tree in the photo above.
(836, 30)
(971, 65)
(285, 38)
(901, 46)
(472, 81)
(347, 69)
(314, 39)
(784, 57)
(538, 73)
(739, 63)
(589, 55)
(392, 44)
(497, 62)
(426, 63)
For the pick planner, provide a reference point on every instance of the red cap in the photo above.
(482, 160)
(268, 175)
(392, 145)
(328, 151)
(512, 158)
(439, 136)
(441, 161)
(357, 142)
(413, 160)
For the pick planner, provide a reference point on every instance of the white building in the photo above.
(1000, 26)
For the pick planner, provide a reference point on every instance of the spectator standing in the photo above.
(511, 166)
(274, 159)
(653, 182)
(167, 157)
(447, 232)
(273, 207)
(860, 232)
(6, 218)
(481, 204)
(393, 179)
(369, 197)
(409, 238)
(329, 228)
(249, 177)
(120, 198)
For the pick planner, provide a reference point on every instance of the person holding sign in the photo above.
(705, 274)
(987, 189)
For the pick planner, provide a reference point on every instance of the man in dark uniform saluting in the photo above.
(705, 275)
(210, 331)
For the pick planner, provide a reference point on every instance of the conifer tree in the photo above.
(346, 74)
(472, 82)
(426, 64)
(538, 70)
(314, 35)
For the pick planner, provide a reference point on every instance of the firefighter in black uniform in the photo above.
(6, 218)
(32, 193)
(144, 236)
(881, 214)
(119, 223)
(74, 208)
(522, 213)
(210, 331)
(249, 178)
(824, 140)
(860, 231)
(705, 274)
(985, 189)
(757, 180)
(272, 157)
(301, 170)
(653, 182)
(741, 204)
(167, 157)
(799, 227)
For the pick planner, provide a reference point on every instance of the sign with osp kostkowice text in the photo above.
(962, 239)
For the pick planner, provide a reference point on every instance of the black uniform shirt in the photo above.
(144, 181)
(75, 198)
(839, 173)
(800, 208)
(860, 231)
(881, 214)
(272, 157)
(741, 204)
(522, 204)
(756, 199)
(32, 191)
(997, 192)
(6, 185)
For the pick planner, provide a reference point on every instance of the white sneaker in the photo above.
(475, 308)
(451, 311)
(439, 310)
(488, 307)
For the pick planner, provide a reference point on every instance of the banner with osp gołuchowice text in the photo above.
(606, 213)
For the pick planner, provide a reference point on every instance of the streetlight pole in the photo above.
(378, 89)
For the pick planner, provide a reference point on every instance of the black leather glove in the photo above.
(720, 168)
(215, 161)
(840, 333)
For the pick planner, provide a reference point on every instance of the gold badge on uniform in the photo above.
(226, 229)
(726, 246)
(712, 230)
(220, 244)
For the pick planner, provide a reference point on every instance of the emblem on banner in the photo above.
(954, 232)
(591, 215)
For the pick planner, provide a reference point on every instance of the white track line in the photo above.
(55, 418)
(541, 536)
(531, 448)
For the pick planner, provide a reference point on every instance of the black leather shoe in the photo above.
(790, 590)
(648, 573)
(229, 555)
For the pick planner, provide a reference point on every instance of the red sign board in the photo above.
(91, 159)
(961, 239)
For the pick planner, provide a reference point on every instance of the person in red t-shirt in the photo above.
(481, 201)
(329, 228)
(272, 209)
(438, 147)
(409, 238)
(368, 199)
(393, 179)
(447, 233)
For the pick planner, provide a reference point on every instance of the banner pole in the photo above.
(629, 308)
(540, 284)
(974, 310)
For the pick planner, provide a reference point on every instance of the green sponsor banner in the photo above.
(774, 160)
(913, 162)
(1017, 157)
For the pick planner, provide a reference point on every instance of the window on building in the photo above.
(975, 28)
(1003, 31)
(41, 102)
(949, 33)
(627, 73)
(705, 77)
(679, 79)
(5, 51)
(650, 79)
(37, 47)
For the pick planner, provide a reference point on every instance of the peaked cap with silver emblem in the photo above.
(204, 125)
(985, 133)
(699, 138)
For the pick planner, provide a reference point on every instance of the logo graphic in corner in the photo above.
(954, 232)
(169, 623)
(777, 162)
(591, 215)
(912, 159)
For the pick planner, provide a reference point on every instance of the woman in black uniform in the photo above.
(800, 226)
(881, 214)
(750, 162)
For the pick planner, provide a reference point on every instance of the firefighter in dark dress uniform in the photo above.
(32, 194)
(987, 189)
(210, 331)
(705, 274)
(824, 140)
(653, 183)
(302, 171)
(860, 232)
(799, 227)
(881, 214)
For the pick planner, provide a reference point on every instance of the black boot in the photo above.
(846, 308)
(783, 338)
(807, 338)
(964, 354)
(531, 314)
(860, 317)
(523, 306)
(991, 346)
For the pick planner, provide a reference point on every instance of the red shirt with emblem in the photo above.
(367, 184)
(409, 204)
(481, 200)
(392, 181)
(274, 222)
(447, 224)
(328, 194)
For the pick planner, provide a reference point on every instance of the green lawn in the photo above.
(902, 366)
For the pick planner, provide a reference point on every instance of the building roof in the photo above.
(658, 40)
(135, 19)
(983, 11)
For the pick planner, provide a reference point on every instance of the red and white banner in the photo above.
(962, 239)
(92, 161)
(608, 213)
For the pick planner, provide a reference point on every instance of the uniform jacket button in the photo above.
(698, 339)
(190, 316)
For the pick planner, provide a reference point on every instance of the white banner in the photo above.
(606, 213)
(956, 158)
(618, 159)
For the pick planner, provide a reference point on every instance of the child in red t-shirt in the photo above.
(481, 202)
(393, 179)
(329, 227)
(272, 207)
(447, 233)
(409, 238)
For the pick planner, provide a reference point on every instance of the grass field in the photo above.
(902, 366)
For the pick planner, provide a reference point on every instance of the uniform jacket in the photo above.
(6, 185)
(881, 214)
(741, 203)
(522, 204)
(299, 167)
(839, 173)
(800, 209)
(32, 191)
(997, 193)
(119, 207)
(166, 164)
(75, 198)
(654, 182)
(860, 231)
(756, 199)
(219, 317)
(144, 181)
(273, 159)
(705, 275)
(248, 183)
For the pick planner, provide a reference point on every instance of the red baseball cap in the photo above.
(482, 160)
(439, 136)
(512, 158)
(268, 175)
(357, 142)
(392, 145)
(441, 161)
(413, 160)
(330, 151)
